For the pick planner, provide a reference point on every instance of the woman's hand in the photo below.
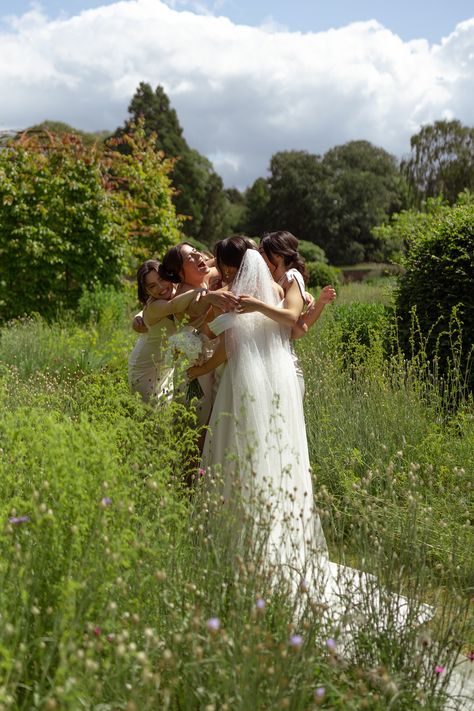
(327, 295)
(139, 325)
(248, 304)
(192, 372)
(223, 300)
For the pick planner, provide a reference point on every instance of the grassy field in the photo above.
(120, 588)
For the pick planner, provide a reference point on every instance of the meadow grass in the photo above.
(122, 588)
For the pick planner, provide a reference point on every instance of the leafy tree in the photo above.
(362, 188)
(257, 198)
(441, 162)
(61, 128)
(312, 252)
(139, 186)
(198, 195)
(57, 233)
(73, 217)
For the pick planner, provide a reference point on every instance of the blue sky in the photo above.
(247, 79)
(410, 19)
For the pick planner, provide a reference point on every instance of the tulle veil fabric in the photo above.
(257, 429)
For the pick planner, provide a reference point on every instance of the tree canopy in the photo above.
(441, 161)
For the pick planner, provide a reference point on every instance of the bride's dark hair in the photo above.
(285, 245)
(230, 251)
(172, 265)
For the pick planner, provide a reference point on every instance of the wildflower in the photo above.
(201, 471)
(213, 624)
(260, 604)
(439, 669)
(331, 645)
(106, 501)
(96, 631)
(18, 519)
(319, 694)
(470, 656)
(295, 641)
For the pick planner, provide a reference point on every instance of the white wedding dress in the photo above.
(257, 437)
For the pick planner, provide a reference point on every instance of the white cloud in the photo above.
(242, 93)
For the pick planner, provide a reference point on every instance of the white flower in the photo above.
(186, 343)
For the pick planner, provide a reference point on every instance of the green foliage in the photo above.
(334, 201)
(57, 231)
(320, 274)
(74, 217)
(360, 323)
(442, 161)
(139, 188)
(312, 252)
(108, 586)
(199, 196)
(437, 288)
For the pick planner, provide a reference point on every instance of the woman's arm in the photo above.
(287, 316)
(218, 357)
(199, 299)
(327, 296)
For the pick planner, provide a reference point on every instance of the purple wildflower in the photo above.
(439, 669)
(213, 624)
(295, 641)
(201, 471)
(106, 501)
(331, 644)
(260, 604)
(18, 519)
(319, 693)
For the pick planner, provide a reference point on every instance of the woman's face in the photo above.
(158, 288)
(272, 265)
(194, 265)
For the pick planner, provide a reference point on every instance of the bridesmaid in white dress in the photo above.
(149, 374)
(287, 267)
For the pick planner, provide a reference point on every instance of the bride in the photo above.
(257, 438)
(257, 431)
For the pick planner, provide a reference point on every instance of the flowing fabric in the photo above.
(257, 428)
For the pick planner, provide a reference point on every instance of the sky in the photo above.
(246, 78)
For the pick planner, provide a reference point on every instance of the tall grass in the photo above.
(121, 588)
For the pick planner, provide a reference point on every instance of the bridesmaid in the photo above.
(287, 267)
(148, 372)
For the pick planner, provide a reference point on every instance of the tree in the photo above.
(57, 233)
(257, 198)
(441, 162)
(363, 187)
(73, 217)
(296, 184)
(198, 188)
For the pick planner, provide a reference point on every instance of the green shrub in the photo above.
(438, 287)
(312, 252)
(360, 323)
(320, 275)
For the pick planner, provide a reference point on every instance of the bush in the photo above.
(320, 275)
(437, 288)
(360, 323)
(312, 252)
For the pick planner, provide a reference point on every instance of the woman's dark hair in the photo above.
(151, 265)
(172, 265)
(285, 245)
(230, 251)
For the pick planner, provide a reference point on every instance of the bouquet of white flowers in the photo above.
(192, 348)
(189, 345)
